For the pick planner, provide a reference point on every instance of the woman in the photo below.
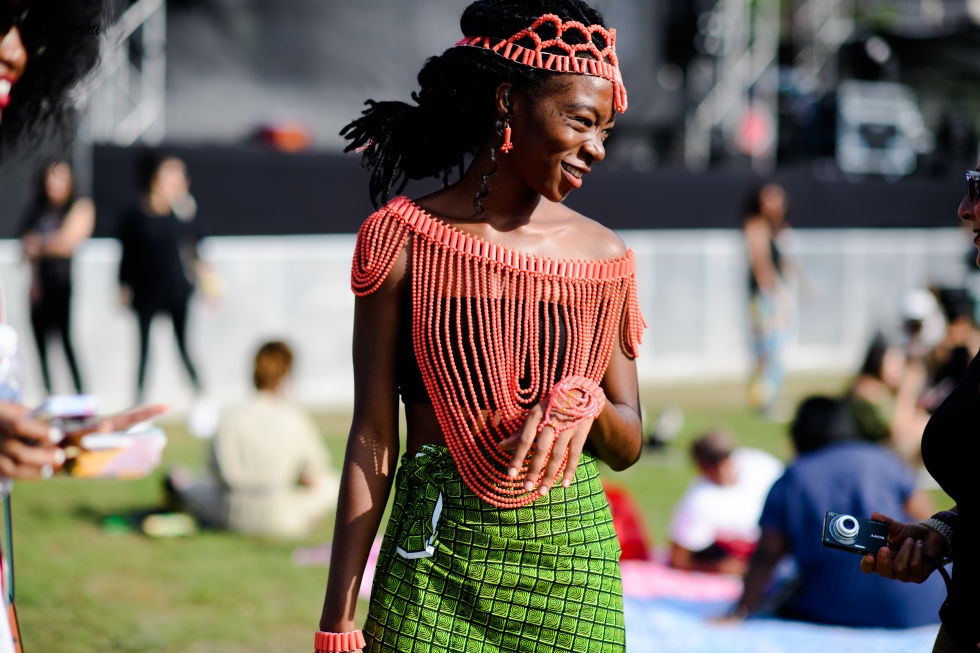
(270, 471)
(770, 306)
(159, 261)
(508, 325)
(40, 62)
(914, 551)
(57, 224)
(884, 398)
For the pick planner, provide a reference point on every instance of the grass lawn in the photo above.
(83, 587)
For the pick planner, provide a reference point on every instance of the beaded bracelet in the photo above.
(944, 523)
(572, 400)
(338, 642)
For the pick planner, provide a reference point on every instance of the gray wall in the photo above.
(692, 286)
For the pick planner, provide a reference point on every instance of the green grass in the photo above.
(82, 587)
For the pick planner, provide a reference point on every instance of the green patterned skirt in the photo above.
(458, 574)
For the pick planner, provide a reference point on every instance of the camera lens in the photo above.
(845, 527)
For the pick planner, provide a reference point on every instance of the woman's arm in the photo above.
(615, 436)
(75, 229)
(372, 448)
(771, 548)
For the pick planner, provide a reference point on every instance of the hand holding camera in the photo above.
(893, 549)
(849, 533)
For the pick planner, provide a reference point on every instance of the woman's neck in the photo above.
(157, 204)
(508, 205)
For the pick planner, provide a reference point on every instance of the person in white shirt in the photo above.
(714, 527)
(270, 471)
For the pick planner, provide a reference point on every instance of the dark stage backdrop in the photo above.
(249, 190)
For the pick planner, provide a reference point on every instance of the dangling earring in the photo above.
(506, 146)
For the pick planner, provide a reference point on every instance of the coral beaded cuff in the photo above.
(494, 330)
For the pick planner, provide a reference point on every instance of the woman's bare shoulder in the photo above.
(599, 241)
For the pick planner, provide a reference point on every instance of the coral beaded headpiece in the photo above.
(604, 64)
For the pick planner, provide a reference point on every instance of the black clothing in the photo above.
(949, 445)
(777, 260)
(157, 264)
(51, 297)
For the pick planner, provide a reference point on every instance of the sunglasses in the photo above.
(973, 185)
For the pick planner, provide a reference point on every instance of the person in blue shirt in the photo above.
(835, 472)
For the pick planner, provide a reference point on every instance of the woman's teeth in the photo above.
(575, 172)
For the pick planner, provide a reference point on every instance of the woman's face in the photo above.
(13, 61)
(970, 213)
(772, 200)
(559, 135)
(57, 184)
(170, 181)
(893, 365)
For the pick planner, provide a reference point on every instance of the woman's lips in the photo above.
(5, 86)
(573, 175)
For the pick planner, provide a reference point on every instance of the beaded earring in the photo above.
(507, 145)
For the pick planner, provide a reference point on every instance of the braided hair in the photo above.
(454, 114)
(62, 40)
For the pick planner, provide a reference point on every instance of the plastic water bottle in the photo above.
(11, 368)
(11, 380)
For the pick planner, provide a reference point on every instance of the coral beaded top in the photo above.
(494, 329)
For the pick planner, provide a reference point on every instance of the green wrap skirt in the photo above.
(458, 574)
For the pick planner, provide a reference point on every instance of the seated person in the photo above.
(884, 397)
(715, 525)
(836, 472)
(270, 470)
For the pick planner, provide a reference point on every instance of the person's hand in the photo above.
(28, 446)
(31, 448)
(549, 451)
(913, 552)
(32, 244)
(120, 421)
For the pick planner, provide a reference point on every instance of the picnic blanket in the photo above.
(671, 611)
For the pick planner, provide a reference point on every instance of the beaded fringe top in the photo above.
(494, 329)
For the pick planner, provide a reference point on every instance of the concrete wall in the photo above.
(692, 286)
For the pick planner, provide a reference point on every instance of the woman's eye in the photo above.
(585, 122)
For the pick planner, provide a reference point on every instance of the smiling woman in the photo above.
(41, 63)
(508, 324)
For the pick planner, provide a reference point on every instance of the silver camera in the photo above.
(850, 533)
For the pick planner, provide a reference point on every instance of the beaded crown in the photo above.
(604, 62)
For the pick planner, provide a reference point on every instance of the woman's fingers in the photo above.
(524, 441)
(126, 419)
(23, 461)
(539, 460)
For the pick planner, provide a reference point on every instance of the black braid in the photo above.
(454, 111)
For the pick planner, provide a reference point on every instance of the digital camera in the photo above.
(850, 533)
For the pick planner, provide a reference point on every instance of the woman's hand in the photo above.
(30, 448)
(549, 450)
(913, 552)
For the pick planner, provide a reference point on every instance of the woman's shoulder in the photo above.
(600, 241)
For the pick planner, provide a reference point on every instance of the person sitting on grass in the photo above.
(714, 527)
(834, 471)
(270, 471)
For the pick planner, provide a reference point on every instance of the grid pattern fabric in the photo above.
(540, 578)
